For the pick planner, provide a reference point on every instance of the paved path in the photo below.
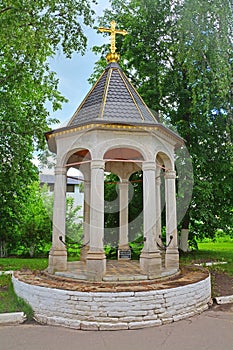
(212, 330)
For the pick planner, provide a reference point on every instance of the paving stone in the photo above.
(12, 318)
(113, 326)
(144, 324)
(89, 326)
(224, 299)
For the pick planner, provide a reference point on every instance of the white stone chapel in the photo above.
(113, 130)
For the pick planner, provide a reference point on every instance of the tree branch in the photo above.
(5, 9)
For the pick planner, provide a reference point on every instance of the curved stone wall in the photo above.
(114, 310)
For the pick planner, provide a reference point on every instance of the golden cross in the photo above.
(113, 32)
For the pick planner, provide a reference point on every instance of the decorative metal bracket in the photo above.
(164, 246)
(66, 244)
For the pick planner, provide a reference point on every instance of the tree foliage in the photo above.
(34, 231)
(35, 225)
(30, 32)
(135, 207)
(111, 209)
(179, 56)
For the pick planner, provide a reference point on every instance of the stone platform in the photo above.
(116, 270)
(114, 304)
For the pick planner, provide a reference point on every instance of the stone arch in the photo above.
(76, 155)
(125, 153)
(120, 143)
(164, 159)
(123, 161)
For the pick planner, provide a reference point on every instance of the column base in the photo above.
(96, 266)
(57, 260)
(83, 253)
(150, 264)
(172, 259)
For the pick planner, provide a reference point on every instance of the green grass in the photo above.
(20, 263)
(211, 251)
(9, 301)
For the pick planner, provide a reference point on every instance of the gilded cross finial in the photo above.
(113, 56)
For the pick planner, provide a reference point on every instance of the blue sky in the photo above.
(73, 73)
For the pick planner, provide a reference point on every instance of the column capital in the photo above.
(124, 182)
(148, 165)
(170, 174)
(97, 164)
(60, 170)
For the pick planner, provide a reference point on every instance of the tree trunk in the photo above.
(183, 241)
(3, 250)
(32, 250)
(183, 244)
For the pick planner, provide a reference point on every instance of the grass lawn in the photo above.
(211, 252)
(20, 263)
(9, 301)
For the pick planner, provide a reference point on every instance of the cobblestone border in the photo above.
(224, 299)
(12, 318)
(114, 310)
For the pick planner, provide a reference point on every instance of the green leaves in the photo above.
(179, 56)
(30, 32)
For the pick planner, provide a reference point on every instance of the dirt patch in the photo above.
(222, 284)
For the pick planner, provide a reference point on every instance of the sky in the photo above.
(73, 73)
(73, 77)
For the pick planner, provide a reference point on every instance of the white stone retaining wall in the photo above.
(115, 310)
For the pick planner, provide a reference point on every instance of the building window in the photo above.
(69, 188)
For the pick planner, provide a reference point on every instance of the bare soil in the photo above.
(222, 284)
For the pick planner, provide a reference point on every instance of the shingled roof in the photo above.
(112, 99)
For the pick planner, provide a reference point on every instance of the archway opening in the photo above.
(121, 163)
(78, 204)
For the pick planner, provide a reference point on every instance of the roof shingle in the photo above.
(112, 99)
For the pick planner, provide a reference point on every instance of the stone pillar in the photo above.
(86, 217)
(158, 229)
(172, 253)
(150, 259)
(96, 260)
(123, 219)
(158, 206)
(58, 253)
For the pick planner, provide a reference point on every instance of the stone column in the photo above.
(96, 260)
(150, 259)
(158, 229)
(158, 206)
(86, 216)
(58, 253)
(172, 253)
(123, 213)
